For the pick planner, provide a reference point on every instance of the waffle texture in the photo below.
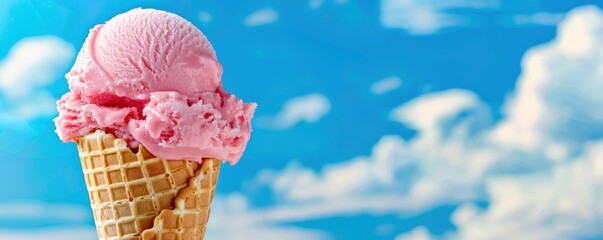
(128, 191)
(189, 219)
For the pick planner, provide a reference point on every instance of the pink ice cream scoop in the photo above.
(152, 78)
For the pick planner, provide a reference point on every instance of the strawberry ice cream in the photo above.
(152, 78)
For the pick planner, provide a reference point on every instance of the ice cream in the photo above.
(152, 123)
(152, 78)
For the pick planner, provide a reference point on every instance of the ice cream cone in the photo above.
(159, 86)
(130, 193)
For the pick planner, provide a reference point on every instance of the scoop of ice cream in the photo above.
(142, 51)
(152, 77)
(175, 127)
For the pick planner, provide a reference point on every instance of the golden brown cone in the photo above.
(128, 191)
(189, 219)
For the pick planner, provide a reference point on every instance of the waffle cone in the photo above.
(140, 196)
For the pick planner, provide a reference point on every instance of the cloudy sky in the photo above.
(391, 119)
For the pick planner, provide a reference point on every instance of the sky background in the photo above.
(391, 119)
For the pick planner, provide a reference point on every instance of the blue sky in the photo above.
(391, 119)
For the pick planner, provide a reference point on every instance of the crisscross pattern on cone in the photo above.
(127, 191)
(189, 219)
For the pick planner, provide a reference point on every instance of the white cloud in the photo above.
(56, 233)
(564, 203)
(418, 233)
(556, 111)
(289, 211)
(557, 101)
(538, 166)
(398, 177)
(31, 65)
(232, 212)
(308, 108)
(261, 17)
(315, 4)
(539, 18)
(421, 17)
(432, 113)
(27, 211)
(447, 162)
(427, 17)
(386, 85)
(205, 17)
